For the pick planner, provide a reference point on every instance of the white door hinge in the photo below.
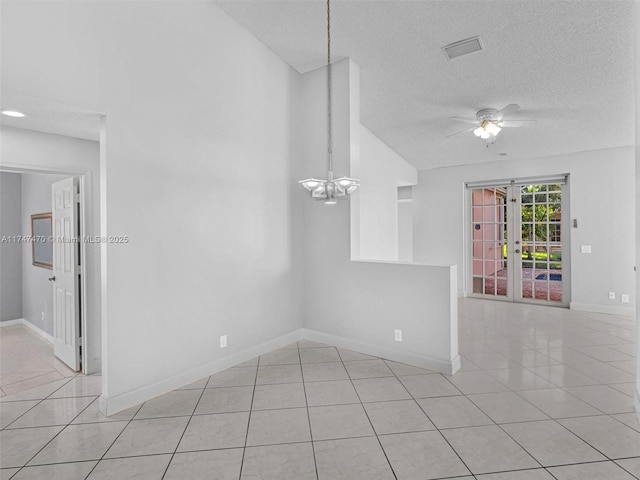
(78, 270)
(77, 198)
(80, 341)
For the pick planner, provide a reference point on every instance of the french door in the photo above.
(519, 241)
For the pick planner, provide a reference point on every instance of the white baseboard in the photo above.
(436, 365)
(30, 326)
(8, 323)
(112, 405)
(610, 309)
(456, 363)
(117, 403)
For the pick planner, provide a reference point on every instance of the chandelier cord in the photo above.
(329, 112)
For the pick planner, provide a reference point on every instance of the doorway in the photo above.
(59, 315)
(519, 241)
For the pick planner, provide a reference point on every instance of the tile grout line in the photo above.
(313, 406)
(508, 434)
(585, 441)
(306, 401)
(56, 435)
(115, 440)
(570, 367)
(616, 462)
(618, 420)
(554, 420)
(95, 397)
(425, 413)
(367, 414)
(42, 374)
(609, 459)
(246, 437)
(186, 426)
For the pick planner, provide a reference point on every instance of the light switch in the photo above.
(585, 248)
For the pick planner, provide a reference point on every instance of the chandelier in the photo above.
(330, 190)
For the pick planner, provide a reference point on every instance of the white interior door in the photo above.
(66, 305)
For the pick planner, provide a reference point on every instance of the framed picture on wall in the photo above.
(41, 240)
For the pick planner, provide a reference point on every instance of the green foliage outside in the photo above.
(540, 203)
(539, 258)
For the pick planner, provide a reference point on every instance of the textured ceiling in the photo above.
(50, 117)
(568, 64)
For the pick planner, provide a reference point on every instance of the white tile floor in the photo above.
(27, 361)
(544, 393)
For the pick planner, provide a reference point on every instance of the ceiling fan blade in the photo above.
(517, 123)
(465, 120)
(461, 131)
(509, 109)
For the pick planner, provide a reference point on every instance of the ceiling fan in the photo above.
(489, 122)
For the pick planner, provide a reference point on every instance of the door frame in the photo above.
(84, 181)
(566, 240)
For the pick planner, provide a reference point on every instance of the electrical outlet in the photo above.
(223, 341)
(624, 298)
(585, 248)
(42, 316)
(612, 295)
(398, 335)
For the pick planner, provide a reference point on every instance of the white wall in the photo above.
(198, 175)
(637, 203)
(37, 295)
(206, 133)
(382, 171)
(359, 304)
(10, 258)
(602, 193)
(35, 151)
(405, 230)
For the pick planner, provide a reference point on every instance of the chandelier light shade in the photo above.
(330, 190)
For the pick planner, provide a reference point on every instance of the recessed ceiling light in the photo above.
(13, 113)
(463, 47)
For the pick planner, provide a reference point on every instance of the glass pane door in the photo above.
(489, 240)
(517, 243)
(541, 237)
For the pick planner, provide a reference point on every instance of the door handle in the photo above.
(52, 279)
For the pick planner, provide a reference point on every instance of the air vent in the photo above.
(462, 47)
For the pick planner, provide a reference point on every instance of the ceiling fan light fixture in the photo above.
(489, 122)
(493, 128)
